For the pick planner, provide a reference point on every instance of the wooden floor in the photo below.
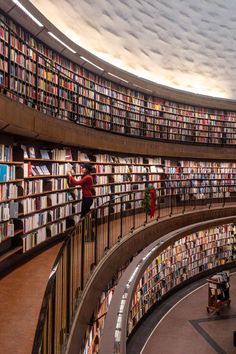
(21, 294)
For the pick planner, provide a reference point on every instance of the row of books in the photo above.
(31, 205)
(7, 229)
(35, 238)
(95, 330)
(6, 153)
(7, 172)
(178, 262)
(126, 95)
(35, 170)
(135, 99)
(40, 219)
(53, 89)
(9, 191)
(8, 211)
(35, 221)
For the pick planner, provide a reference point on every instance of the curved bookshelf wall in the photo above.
(41, 78)
(36, 202)
(182, 260)
(174, 259)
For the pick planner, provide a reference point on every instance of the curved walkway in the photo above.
(21, 294)
(186, 327)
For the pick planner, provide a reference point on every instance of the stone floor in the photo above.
(181, 325)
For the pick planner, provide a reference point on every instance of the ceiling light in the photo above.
(28, 13)
(60, 41)
(88, 61)
(143, 88)
(118, 77)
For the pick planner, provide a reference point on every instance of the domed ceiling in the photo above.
(184, 44)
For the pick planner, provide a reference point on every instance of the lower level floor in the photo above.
(182, 325)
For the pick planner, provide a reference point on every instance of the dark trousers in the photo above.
(86, 205)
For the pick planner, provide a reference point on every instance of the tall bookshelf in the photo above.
(45, 80)
(183, 259)
(37, 204)
(95, 328)
(11, 188)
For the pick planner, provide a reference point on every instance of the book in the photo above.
(23, 147)
(32, 152)
(3, 173)
(69, 168)
(44, 154)
(30, 169)
(14, 208)
(45, 170)
(68, 154)
(39, 170)
(34, 171)
(2, 148)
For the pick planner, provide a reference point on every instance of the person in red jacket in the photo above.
(86, 183)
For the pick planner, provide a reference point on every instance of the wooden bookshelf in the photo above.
(93, 333)
(36, 202)
(91, 342)
(37, 76)
(183, 259)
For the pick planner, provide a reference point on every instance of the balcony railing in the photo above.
(86, 246)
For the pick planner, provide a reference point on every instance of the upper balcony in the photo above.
(48, 75)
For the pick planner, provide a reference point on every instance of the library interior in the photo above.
(117, 177)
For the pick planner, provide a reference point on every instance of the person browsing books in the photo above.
(86, 183)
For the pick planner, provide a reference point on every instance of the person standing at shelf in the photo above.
(86, 183)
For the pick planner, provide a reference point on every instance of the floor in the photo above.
(21, 295)
(181, 325)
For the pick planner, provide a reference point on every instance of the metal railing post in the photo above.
(184, 206)
(134, 212)
(158, 207)
(82, 256)
(68, 288)
(96, 237)
(108, 224)
(121, 217)
(211, 196)
(171, 207)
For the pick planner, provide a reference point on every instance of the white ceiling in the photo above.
(184, 44)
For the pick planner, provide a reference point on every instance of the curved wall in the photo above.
(16, 118)
(131, 278)
(68, 91)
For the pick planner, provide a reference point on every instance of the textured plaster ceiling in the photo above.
(184, 44)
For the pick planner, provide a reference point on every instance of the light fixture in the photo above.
(60, 41)
(28, 13)
(88, 61)
(117, 77)
(143, 88)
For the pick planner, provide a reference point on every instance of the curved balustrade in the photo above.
(87, 245)
(42, 79)
(162, 268)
